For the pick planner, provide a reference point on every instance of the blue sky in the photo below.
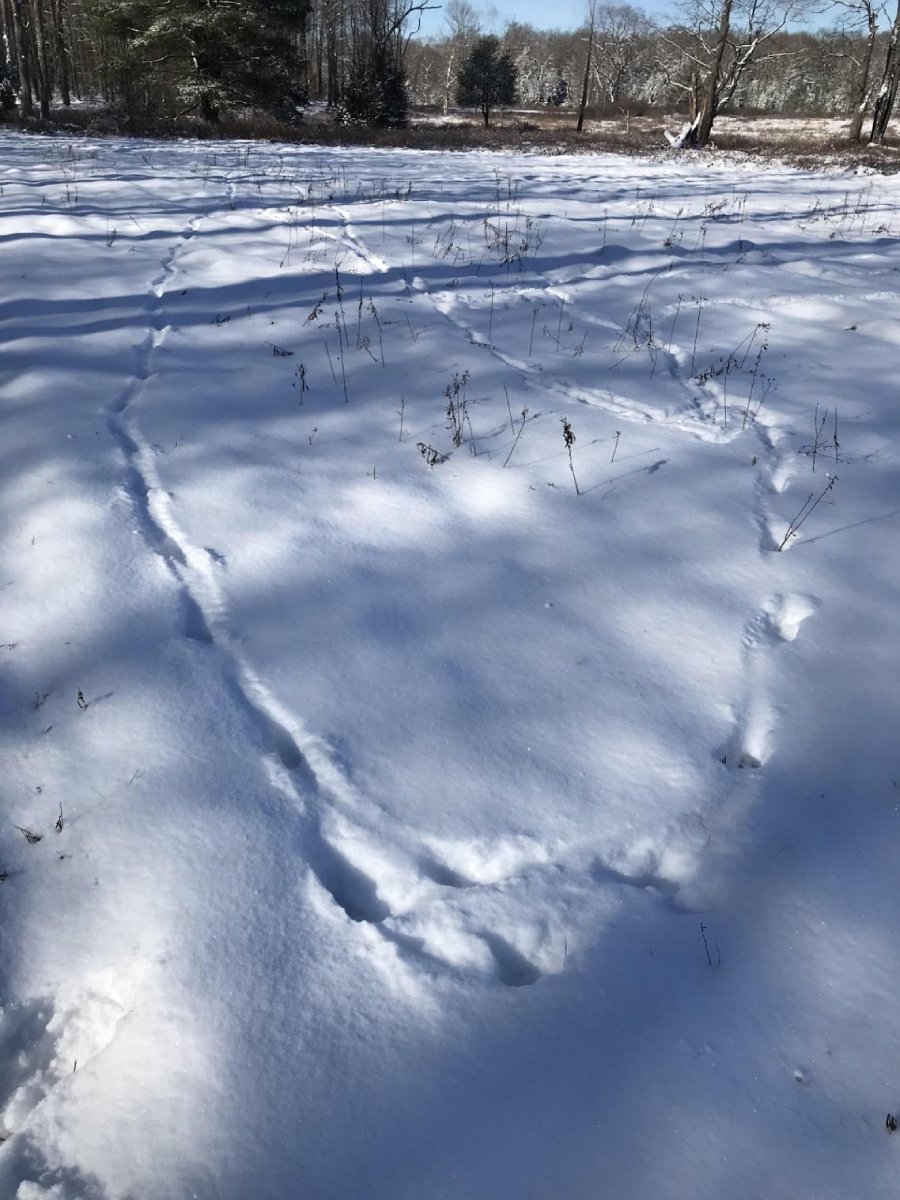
(563, 14)
(566, 14)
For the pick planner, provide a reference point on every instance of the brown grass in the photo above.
(545, 132)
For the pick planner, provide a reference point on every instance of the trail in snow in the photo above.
(206, 621)
(407, 796)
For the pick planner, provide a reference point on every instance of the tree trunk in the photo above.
(331, 57)
(206, 68)
(710, 101)
(9, 50)
(694, 98)
(448, 79)
(23, 59)
(861, 91)
(887, 93)
(584, 82)
(57, 8)
(81, 52)
(44, 60)
(301, 56)
(208, 110)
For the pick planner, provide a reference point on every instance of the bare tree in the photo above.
(43, 58)
(61, 49)
(621, 30)
(591, 26)
(858, 11)
(722, 41)
(19, 40)
(887, 92)
(461, 19)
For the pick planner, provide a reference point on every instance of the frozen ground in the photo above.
(434, 831)
(765, 132)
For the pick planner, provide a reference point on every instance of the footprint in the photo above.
(27, 1174)
(779, 619)
(482, 861)
(27, 1050)
(741, 759)
(139, 492)
(351, 888)
(135, 482)
(750, 745)
(513, 968)
(644, 874)
(275, 737)
(443, 875)
(41, 1045)
(787, 613)
(127, 443)
(782, 474)
(771, 532)
(195, 626)
(279, 740)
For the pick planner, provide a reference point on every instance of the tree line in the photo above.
(367, 60)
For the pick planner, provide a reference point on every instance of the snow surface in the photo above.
(434, 831)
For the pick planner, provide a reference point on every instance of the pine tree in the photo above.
(376, 90)
(487, 78)
(7, 88)
(213, 53)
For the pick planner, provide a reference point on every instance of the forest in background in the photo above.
(367, 61)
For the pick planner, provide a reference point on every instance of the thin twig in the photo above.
(518, 435)
(512, 428)
(806, 510)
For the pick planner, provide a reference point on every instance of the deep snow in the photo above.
(434, 831)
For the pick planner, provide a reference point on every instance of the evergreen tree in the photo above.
(213, 53)
(487, 78)
(376, 90)
(7, 88)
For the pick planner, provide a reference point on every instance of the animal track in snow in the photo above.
(787, 613)
(432, 914)
(194, 569)
(350, 887)
(275, 736)
(27, 1049)
(41, 1045)
(168, 266)
(648, 876)
(513, 968)
(139, 491)
(139, 478)
(695, 416)
(195, 626)
(750, 743)
(781, 475)
(443, 875)
(779, 619)
(456, 893)
(458, 906)
(481, 861)
(352, 242)
(778, 473)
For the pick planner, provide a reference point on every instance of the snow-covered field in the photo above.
(771, 132)
(411, 830)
